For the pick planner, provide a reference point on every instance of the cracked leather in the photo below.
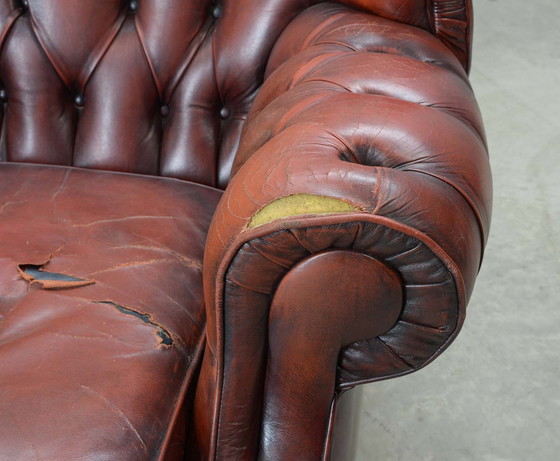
(81, 365)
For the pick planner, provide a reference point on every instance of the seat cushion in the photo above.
(101, 311)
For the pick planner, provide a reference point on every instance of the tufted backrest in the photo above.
(155, 86)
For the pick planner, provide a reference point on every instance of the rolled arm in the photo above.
(346, 246)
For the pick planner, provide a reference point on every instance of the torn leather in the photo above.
(35, 275)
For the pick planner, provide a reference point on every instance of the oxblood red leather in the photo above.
(379, 115)
(103, 320)
(99, 371)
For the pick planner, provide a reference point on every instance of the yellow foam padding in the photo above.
(300, 204)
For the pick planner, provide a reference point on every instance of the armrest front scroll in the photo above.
(346, 247)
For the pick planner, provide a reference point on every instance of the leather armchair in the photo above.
(216, 219)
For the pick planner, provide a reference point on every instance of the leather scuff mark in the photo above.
(35, 275)
(162, 333)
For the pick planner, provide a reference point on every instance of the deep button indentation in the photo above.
(217, 11)
(24, 4)
(224, 113)
(133, 6)
(164, 110)
(79, 100)
(3, 95)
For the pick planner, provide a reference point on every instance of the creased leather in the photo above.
(159, 87)
(98, 369)
(380, 115)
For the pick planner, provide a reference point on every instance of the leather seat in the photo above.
(105, 356)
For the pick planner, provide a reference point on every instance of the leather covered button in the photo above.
(224, 113)
(164, 110)
(3, 95)
(133, 5)
(217, 11)
(79, 100)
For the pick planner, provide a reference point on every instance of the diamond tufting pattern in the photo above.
(155, 87)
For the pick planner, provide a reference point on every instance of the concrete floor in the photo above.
(495, 394)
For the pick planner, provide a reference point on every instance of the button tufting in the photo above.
(79, 100)
(133, 5)
(3, 95)
(217, 11)
(24, 4)
(225, 113)
(164, 110)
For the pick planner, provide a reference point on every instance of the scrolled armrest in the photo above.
(345, 248)
(296, 198)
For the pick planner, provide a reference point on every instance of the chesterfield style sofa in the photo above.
(217, 218)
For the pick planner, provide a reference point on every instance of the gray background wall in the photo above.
(495, 394)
